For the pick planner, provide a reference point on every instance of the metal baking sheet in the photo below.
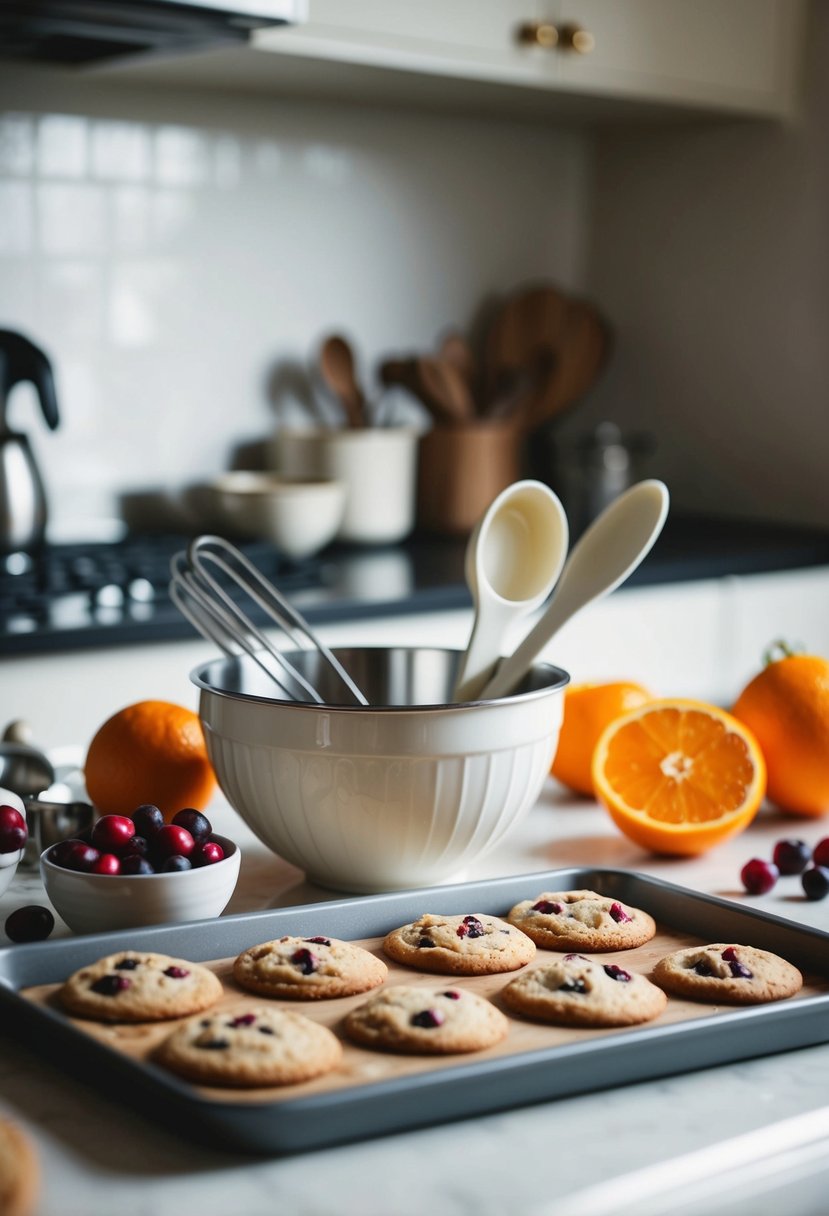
(454, 1087)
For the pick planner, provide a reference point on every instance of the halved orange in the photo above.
(679, 776)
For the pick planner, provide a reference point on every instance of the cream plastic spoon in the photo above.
(513, 559)
(608, 552)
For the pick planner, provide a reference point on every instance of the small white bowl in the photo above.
(96, 903)
(9, 861)
(300, 516)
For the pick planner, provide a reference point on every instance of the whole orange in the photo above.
(787, 707)
(588, 709)
(150, 752)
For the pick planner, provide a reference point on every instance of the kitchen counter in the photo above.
(98, 1156)
(698, 638)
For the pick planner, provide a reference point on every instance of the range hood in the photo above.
(86, 31)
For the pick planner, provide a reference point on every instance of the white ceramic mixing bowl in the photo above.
(403, 794)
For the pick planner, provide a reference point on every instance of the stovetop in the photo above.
(69, 596)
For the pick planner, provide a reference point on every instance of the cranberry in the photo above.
(791, 856)
(113, 833)
(618, 973)
(171, 840)
(29, 924)
(136, 865)
(110, 985)
(207, 853)
(618, 914)
(759, 876)
(107, 863)
(148, 819)
(737, 969)
(78, 856)
(243, 1019)
(470, 926)
(175, 864)
(452, 994)
(820, 853)
(305, 961)
(13, 831)
(545, 905)
(198, 825)
(176, 973)
(428, 1019)
(815, 882)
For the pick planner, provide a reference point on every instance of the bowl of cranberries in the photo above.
(140, 870)
(13, 836)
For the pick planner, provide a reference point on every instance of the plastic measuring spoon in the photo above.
(607, 553)
(513, 559)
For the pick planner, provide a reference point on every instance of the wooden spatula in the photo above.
(337, 367)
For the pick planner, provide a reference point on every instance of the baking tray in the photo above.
(390, 1093)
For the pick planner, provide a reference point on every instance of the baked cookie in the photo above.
(460, 945)
(426, 1021)
(308, 968)
(19, 1174)
(727, 974)
(137, 986)
(250, 1046)
(581, 920)
(575, 991)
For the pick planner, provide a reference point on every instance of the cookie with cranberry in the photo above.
(19, 1173)
(728, 974)
(249, 1047)
(308, 968)
(576, 991)
(134, 986)
(581, 920)
(459, 945)
(426, 1021)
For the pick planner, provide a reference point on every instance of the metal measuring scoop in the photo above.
(607, 553)
(23, 769)
(513, 559)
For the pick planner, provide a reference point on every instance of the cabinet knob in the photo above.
(574, 38)
(538, 33)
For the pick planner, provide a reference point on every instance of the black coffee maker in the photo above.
(23, 507)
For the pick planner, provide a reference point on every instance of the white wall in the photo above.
(710, 251)
(179, 254)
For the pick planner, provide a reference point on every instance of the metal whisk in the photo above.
(217, 616)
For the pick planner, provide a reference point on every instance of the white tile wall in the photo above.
(179, 256)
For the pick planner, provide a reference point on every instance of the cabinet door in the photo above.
(475, 38)
(682, 49)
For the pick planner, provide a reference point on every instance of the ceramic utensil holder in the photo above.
(377, 465)
(461, 469)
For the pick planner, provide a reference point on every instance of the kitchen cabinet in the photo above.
(591, 59)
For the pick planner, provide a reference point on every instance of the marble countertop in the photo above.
(99, 1157)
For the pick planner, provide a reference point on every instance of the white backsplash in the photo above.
(179, 255)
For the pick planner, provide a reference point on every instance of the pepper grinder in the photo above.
(23, 508)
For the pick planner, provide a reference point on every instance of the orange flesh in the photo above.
(679, 766)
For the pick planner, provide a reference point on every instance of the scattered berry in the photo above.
(176, 864)
(29, 924)
(815, 882)
(758, 876)
(136, 865)
(13, 831)
(428, 1019)
(791, 856)
(737, 969)
(618, 914)
(820, 853)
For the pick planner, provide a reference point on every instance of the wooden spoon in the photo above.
(444, 390)
(337, 367)
(584, 350)
(527, 328)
